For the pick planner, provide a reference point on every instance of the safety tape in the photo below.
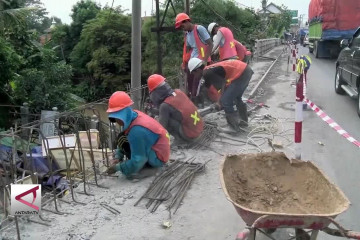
(326, 118)
(331, 122)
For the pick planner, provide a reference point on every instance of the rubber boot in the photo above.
(233, 122)
(242, 109)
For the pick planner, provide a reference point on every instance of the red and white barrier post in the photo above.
(299, 115)
(294, 58)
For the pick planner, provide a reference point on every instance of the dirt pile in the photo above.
(269, 182)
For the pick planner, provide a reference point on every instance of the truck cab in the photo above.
(347, 79)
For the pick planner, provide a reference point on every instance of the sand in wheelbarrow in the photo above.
(269, 182)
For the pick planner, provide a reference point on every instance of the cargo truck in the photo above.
(330, 21)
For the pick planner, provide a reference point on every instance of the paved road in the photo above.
(338, 158)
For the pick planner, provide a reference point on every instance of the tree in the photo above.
(45, 86)
(102, 55)
(12, 13)
(82, 11)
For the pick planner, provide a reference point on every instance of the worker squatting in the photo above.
(144, 141)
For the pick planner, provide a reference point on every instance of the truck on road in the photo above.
(330, 21)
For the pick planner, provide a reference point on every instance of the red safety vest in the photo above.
(186, 55)
(228, 50)
(192, 123)
(162, 146)
(233, 69)
(240, 50)
(202, 48)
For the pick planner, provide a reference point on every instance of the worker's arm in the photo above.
(138, 139)
(209, 42)
(164, 115)
(217, 40)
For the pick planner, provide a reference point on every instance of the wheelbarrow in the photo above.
(306, 224)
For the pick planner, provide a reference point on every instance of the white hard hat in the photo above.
(194, 63)
(211, 27)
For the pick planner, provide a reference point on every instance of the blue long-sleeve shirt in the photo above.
(141, 141)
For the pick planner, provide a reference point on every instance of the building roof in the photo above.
(272, 8)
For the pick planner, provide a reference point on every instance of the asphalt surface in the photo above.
(334, 155)
(338, 157)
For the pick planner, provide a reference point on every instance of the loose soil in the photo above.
(270, 182)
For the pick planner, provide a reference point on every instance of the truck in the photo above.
(330, 21)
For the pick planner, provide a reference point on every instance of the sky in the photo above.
(62, 9)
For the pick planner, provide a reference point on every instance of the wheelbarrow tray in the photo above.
(271, 219)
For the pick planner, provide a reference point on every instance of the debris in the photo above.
(278, 144)
(167, 224)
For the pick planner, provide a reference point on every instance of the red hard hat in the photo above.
(118, 101)
(179, 18)
(154, 81)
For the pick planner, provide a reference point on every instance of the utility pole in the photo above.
(136, 53)
(187, 6)
(158, 34)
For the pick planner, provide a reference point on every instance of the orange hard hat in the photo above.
(118, 101)
(179, 18)
(154, 81)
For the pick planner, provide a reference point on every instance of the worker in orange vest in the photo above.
(231, 78)
(149, 141)
(177, 114)
(197, 44)
(224, 42)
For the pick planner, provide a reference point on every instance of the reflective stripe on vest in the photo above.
(192, 124)
(162, 145)
(200, 45)
(233, 69)
(228, 50)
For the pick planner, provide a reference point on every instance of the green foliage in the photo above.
(46, 86)
(103, 51)
(10, 62)
(279, 23)
(82, 11)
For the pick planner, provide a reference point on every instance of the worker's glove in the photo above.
(111, 170)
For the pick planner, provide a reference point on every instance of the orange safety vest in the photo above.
(233, 69)
(162, 145)
(192, 123)
(228, 50)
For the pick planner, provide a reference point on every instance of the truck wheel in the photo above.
(338, 82)
(316, 44)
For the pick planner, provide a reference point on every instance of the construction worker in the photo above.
(303, 65)
(231, 78)
(177, 114)
(228, 47)
(149, 141)
(224, 40)
(197, 44)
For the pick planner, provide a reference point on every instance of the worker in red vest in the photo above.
(197, 44)
(149, 141)
(177, 114)
(224, 42)
(231, 78)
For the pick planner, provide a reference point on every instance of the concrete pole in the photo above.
(136, 53)
(187, 7)
(159, 49)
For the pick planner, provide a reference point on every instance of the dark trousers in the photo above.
(233, 93)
